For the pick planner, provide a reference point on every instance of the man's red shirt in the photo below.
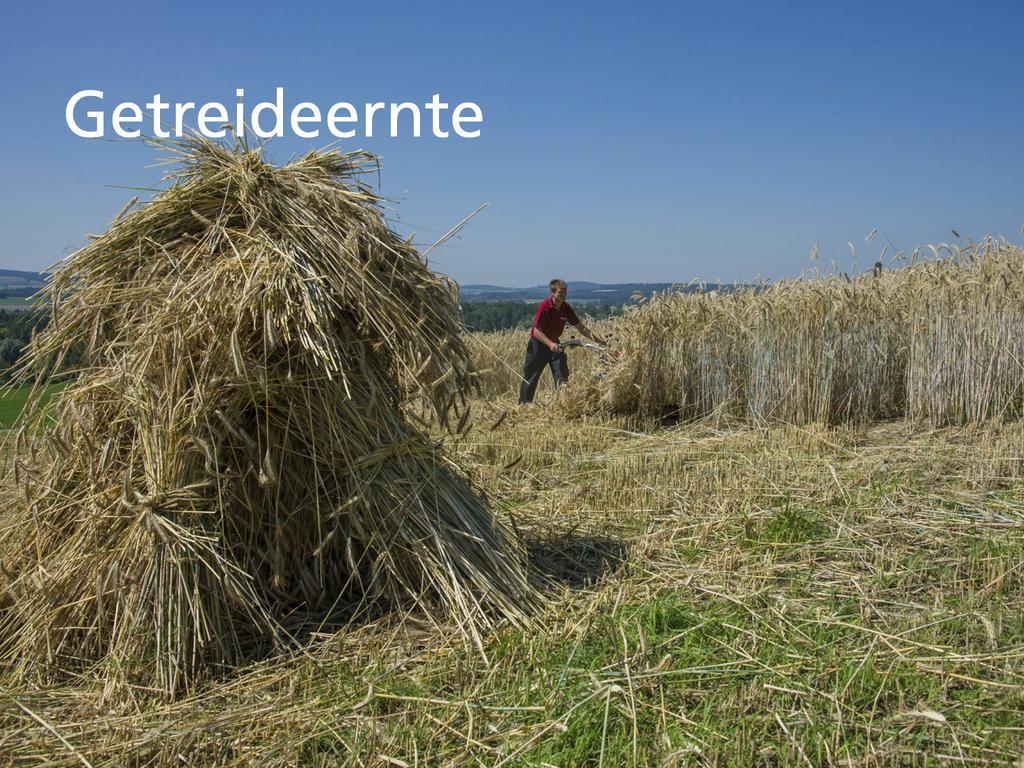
(551, 321)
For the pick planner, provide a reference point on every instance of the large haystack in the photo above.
(234, 455)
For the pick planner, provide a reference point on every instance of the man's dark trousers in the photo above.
(537, 356)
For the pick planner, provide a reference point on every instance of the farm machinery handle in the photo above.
(574, 342)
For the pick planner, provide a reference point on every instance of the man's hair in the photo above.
(556, 284)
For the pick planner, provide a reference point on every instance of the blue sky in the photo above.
(621, 142)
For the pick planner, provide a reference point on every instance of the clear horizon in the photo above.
(658, 143)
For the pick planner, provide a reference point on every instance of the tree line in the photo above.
(507, 315)
(16, 329)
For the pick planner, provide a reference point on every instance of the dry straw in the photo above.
(233, 462)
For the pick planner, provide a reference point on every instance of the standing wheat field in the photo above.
(938, 342)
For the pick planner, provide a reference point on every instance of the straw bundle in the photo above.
(234, 460)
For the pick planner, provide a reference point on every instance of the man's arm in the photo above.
(586, 332)
(539, 335)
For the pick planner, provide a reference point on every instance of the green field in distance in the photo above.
(12, 402)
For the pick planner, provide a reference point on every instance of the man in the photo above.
(542, 349)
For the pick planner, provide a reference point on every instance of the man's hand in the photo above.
(539, 336)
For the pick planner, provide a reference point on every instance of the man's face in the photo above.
(559, 296)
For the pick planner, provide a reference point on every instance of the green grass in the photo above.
(674, 678)
(12, 403)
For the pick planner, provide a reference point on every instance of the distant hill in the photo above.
(580, 292)
(15, 282)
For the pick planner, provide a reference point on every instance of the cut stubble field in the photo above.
(718, 596)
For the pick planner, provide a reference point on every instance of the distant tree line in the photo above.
(16, 328)
(506, 315)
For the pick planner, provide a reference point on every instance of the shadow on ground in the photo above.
(556, 559)
(575, 561)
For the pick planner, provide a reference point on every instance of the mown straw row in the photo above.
(234, 463)
(939, 342)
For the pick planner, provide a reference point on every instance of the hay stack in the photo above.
(234, 456)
